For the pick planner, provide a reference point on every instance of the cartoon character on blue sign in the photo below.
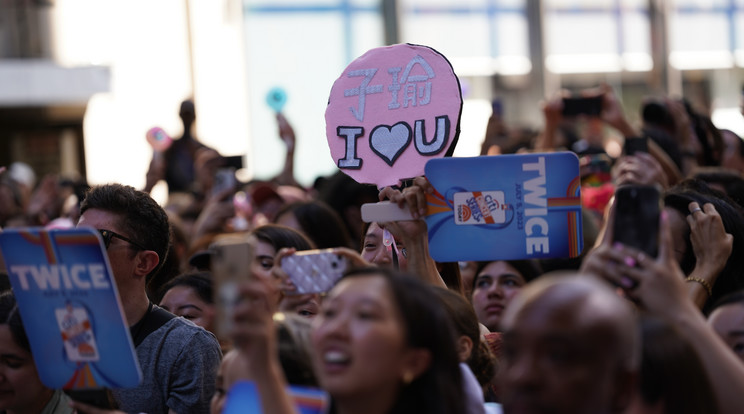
(77, 333)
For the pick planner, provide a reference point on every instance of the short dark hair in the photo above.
(140, 216)
(201, 282)
(282, 236)
(733, 298)
(10, 316)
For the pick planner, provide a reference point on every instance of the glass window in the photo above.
(301, 46)
(597, 36)
(479, 37)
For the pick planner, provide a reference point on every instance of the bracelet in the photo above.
(703, 282)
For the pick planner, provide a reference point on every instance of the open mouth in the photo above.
(335, 361)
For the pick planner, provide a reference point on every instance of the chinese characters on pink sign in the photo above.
(391, 110)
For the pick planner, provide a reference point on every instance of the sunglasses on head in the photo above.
(107, 235)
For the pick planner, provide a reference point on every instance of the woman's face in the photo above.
(263, 259)
(20, 387)
(495, 287)
(184, 301)
(359, 339)
(375, 251)
(728, 322)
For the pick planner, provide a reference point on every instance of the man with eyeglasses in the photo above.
(179, 360)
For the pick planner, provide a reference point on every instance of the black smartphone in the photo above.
(97, 397)
(233, 161)
(635, 144)
(591, 106)
(637, 209)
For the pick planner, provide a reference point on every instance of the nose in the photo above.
(336, 326)
(495, 290)
(382, 256)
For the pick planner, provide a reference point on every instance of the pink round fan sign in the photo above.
(158, 139)
(392, 110)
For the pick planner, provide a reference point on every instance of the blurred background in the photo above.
(81, 81)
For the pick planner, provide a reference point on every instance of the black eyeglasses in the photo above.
(108, 235)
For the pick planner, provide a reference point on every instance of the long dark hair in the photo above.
(679, 197)
(10, 316)
(320, 223)
(529, 269)
(282, 236)
(427, 326)
(481, 361)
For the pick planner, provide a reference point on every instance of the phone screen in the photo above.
(234, 161)
(232, 256)
(591, 106)
(224, 179)
(635, 144)
(637, 211)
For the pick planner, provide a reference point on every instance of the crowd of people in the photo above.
(615, 330)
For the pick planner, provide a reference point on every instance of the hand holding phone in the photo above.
(314, 271)
(231, 265)
(224, 179)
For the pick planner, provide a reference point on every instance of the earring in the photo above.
(407, 377)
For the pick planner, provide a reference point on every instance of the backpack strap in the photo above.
(153, 319)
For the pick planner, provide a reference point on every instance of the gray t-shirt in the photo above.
(179, 364)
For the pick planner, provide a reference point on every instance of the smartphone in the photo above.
(97, 397)
(314, 271)
(591, 106)
(231, 260)
(233, 161)
(635, 144)
(497, 108)
(224, 179)
(637, 210)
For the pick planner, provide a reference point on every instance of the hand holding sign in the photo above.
(158, 139)
(503, 207)
(276, 99)
(380, 108)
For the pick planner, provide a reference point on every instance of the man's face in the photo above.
(557, 359)
(120, 253)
